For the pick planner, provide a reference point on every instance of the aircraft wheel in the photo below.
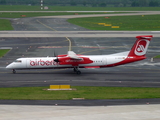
(74, 69)
(14, 71)
(78, 72)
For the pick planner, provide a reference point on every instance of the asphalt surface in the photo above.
(139, 74)
(82, 102)
(44, 24)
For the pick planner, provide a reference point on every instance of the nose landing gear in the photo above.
(75, 69)
(14, 71)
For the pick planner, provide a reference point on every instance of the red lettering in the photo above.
(42, 62)
(48, 63)
(54, 63)
(32, 63)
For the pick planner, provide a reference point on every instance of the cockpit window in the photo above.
(18, 61)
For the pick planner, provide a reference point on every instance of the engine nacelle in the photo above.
(74, 62)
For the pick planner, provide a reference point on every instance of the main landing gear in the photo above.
(75, 69)
(14, 71)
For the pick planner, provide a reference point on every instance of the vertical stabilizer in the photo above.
(140, 47)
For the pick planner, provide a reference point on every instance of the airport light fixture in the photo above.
(41, 4)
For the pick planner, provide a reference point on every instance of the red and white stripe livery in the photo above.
(72, 60)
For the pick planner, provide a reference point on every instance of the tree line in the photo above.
(93, 3)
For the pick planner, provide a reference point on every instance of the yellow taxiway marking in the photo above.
(46, 25)
(70, 44)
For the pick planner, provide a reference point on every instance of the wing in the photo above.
(73, 55)
(73, 59)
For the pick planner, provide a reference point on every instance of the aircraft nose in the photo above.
(10, 66)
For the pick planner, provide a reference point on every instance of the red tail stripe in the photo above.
(148, 37)
(139, 46)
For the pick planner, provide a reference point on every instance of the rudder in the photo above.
(140, 47)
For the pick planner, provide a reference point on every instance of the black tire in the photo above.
(74, 69)
(14, 71)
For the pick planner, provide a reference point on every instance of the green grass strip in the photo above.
(36, 93)
(74, 8)
(158, 56)
(3, 52)
(5, 25)
(131, 23)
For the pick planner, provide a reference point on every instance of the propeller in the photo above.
(56, 60)
(55, 54)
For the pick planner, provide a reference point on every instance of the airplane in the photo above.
(76, 61)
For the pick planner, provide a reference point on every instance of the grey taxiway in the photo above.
(41, 36)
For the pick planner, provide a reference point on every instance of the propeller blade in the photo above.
(55, 54)
(56, 60)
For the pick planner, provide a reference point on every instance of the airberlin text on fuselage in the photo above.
(42, 62)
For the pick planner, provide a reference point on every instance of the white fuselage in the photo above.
(48, 62)
(73, 60)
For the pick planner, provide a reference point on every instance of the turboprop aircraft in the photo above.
(76, 61)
